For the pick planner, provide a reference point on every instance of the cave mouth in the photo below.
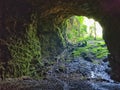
(86, 34)
(85, 38)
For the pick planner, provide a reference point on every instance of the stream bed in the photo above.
(77, 74)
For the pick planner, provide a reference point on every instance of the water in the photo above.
(100, 73)
(89, 69)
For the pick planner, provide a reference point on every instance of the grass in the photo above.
(96, 48)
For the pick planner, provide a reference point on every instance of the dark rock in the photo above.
(103, 45)
(108, 70)
(88, 59)
(79, 44)
(105, 59)
(48, 23)
(83, 54)
(84, 43)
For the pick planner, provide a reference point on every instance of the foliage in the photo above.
(80, 27)
(93, 50)
(77, 31)
(26, 55)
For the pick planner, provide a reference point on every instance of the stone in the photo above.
(48, 19)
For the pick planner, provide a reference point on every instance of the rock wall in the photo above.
(34, 30)
(111, 36)
(26, 39)
(15, 19)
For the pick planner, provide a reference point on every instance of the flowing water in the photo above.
(89, 69)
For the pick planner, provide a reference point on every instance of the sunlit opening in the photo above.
(84, 41)
(86, 34)
(92, 23)
(81, 27)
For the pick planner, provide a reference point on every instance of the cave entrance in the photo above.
(87, 47)
(86, 35)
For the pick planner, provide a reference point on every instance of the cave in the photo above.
(33, 31)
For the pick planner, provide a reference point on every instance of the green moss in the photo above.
(61, 32)
(98, 50)
(26, 55)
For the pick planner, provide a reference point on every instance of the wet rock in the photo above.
(105, 59)
(93, 85)
(79, 65)
(84, 43)
(49, 84)
(86, 56)
(80, 75)
(83, 54)
(88, 69)
(79, 85)
(108, 70)
(88, 59)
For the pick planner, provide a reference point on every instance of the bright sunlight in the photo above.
(92, 22)
(80, 28)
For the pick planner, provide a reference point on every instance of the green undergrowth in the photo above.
(95, 49)
(26, 56)
(80, 29)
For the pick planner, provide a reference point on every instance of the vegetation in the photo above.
(26, 51)
(94, 50)
(26, 55)
(80, 29)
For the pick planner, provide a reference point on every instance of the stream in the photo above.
(89, 69)
(78, 74)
